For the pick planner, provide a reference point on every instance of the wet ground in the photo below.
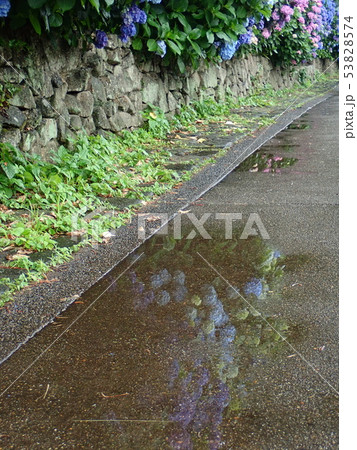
(228, 342)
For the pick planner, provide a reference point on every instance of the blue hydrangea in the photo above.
(261, 24)
(227, 50)
(101, 39)
(130, 17)
(245, 38)
(4, 8)
(127, 31)
(254, 286)
(162, 48)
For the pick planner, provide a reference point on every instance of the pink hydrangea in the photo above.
(266, 33)
(301, 19)
(275, 15)
(286, 10)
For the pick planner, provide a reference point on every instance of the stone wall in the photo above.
(64, 90)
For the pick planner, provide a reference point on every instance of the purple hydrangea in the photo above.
(127, 31)
(131, 16)
(101, 39)
(4, 8)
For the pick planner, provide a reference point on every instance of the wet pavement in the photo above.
(229, 342)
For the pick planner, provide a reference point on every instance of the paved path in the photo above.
(112, 365)
(291, 406)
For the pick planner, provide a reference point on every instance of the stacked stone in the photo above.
(63, 91)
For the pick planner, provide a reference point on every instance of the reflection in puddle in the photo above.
(211, 326)
(299, 125)
(163, 359)
(266, 163)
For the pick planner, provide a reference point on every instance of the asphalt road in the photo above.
(294, 402)
(104, 382)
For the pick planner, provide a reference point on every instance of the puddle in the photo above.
(302, 125)
(266, 163)
(162, 360)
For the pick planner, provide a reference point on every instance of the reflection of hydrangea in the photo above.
(209, 295)
(163, 298)
(254, 286)
(232, 292)
(161, 278)
(4, 8)
(228, 334)
(180, 293)
(179, 277)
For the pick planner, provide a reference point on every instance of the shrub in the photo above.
(185, 32)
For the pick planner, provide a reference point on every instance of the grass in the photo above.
(41, 201)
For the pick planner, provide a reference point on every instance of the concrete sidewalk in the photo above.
(106, 383)
(37, 306)
(294, 403)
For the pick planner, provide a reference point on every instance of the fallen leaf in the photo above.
(153, 218)
(77, 232)
(15, 257)
(108, 235)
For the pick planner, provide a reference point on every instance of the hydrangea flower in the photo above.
(101, 39)
(4, 8)
(266, 33)
(131, 16)
(227, 50)
(162, 47)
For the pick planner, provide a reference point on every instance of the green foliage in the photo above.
(70, 19)
(191, 31)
